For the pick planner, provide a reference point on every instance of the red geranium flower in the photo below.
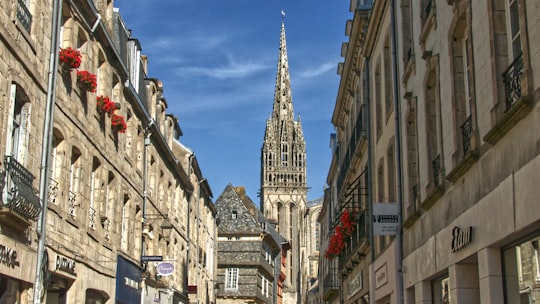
(87, 80)
(118, 123)
(70, 58)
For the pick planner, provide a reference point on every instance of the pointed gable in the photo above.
(234, 215)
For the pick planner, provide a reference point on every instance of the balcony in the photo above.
(331, 285)
(358, 137)
(20, 203)
(512, 81)
(466, 134)
(357, 245)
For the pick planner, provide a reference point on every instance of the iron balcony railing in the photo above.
(358, 134)
(436, 165)
(22, 198)
(364, 5)
(466, 133)
(331, 284)
(353, 243)
(24, 16)
(512, 81)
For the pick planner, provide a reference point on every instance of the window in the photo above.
(441, 291)
(234, 214)
(231, 278)
(521, 271)
(514, 33)
(19, 118)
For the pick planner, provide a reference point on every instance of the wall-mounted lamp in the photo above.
(166, 229)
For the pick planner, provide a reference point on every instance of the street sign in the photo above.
(152, 258)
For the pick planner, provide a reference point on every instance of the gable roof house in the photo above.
(249, 259)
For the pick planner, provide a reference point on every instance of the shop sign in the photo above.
(8, 256)
(65, 264)
(461, 238)
(129, 282)
(385, 218)
(165, 268)
(381, 276)
(355, 285)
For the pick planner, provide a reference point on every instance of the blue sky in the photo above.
(218, 61)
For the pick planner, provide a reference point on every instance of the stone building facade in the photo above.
(249, 251)
(117, 196)
(434, 112)
(283, 176)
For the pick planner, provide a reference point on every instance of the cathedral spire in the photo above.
(283, 106)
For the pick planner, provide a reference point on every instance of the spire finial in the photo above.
(282, 15)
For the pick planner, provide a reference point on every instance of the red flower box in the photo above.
(87, 80)
(71, 59)
(118, 123)
(105, 105)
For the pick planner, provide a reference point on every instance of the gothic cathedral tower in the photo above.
(283, 176)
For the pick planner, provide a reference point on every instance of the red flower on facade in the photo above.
(70, 58)
(341, 233)
(118, 123)
(105, 104)
(87, 80)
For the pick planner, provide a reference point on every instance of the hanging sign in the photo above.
(385, 218)
(165, 268)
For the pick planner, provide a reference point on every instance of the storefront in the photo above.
(63, 272)
(128, 282)
(16, 271)
(492, 260)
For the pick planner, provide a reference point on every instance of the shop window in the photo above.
(522, 272)
(440, 290)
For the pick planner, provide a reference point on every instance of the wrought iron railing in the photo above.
(428, 7)
(92, 215)
(436, 165)
(53, 192)
(512, 81)
(24, 16)
(72, 203)
(358, 133)
(364, 4)
(331, 284)
(358, 237)
(466, 133)
(22, 198)
(106, 223)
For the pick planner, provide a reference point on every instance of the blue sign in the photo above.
(128, 278)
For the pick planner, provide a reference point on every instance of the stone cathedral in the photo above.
(283, 178)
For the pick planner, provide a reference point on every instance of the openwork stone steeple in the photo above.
(283, 170)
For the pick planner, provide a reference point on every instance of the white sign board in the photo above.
(385, 218)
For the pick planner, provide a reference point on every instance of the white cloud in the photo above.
(318, 70)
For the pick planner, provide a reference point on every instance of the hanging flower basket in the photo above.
(87, 80)
(70, 58)
(118, 123)
(105, 105)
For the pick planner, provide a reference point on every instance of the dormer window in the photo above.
(234, 214)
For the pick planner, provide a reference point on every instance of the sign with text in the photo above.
(385, 218)
(152, 258)
(165, 268)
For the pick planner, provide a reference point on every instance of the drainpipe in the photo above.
(397, 109)
(370, 186)
(39, 288)
(199, 269)
(186, 269)
(147, 142)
